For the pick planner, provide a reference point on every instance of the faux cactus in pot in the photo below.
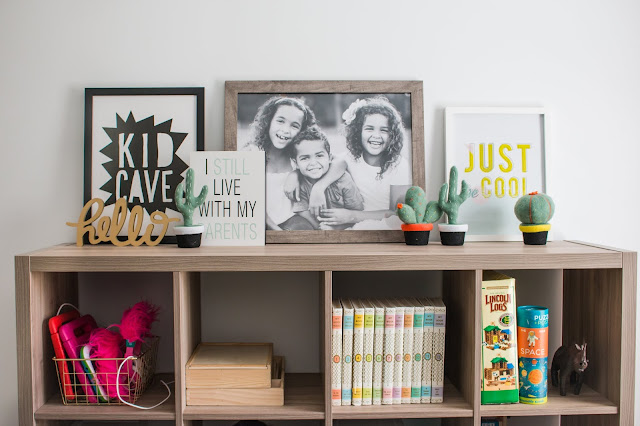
(449, 200)
(534, 210)
(418, 216)
(189, 235)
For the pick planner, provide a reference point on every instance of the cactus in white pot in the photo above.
(189, 235)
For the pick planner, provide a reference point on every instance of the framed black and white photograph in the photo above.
(339, 154)
(137, 146)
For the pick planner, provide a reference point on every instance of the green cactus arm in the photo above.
(406, 213)
(203, 195)
(453, 183)
(433, 212)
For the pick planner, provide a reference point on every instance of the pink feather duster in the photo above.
(136, 321)
(108, 344)
(134, 327)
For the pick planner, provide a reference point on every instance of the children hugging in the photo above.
(309, 187)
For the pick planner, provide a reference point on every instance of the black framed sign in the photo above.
(137, 146)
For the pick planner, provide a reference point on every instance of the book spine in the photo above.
(416, 373)
(378, 351)
(408, 355)
(397, 362)
(358, 350)
(367, 368)
(389, 348)
(347, 354)
(336, 357)
(439, 329)
(427, 348)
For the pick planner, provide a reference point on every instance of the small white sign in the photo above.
(233, 212)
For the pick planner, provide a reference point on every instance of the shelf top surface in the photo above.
(325, 257)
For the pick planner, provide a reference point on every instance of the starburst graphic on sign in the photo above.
(143, 165)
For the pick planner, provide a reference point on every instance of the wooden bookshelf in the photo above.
(598, 304)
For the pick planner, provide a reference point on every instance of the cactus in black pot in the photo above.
(534, 210)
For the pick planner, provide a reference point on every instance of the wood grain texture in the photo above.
(214, 395)
(599, 293)
(54, 409)
(186, 325)
(628, 333)
(595, 311)
(461, 294)
(303, 400)
(326, 310)
(23, 336)
(324, 257)
(588, 402)
(454, 405)
(47, 292)
(413, 88)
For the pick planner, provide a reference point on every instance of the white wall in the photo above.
(579, 59)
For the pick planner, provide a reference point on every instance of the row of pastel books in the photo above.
(387, 351)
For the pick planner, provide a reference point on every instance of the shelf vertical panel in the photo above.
(326, 311)
(26, 373)
(186, 325)
(599, 308)
(38, 297)
(461, 293)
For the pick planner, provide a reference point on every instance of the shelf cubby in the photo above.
(597, 287)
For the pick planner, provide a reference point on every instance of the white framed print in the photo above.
(500, 153)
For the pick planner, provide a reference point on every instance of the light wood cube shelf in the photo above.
(598, 304)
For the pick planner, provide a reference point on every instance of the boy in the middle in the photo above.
(311, 152)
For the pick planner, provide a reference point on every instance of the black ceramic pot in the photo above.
(189, 236)
(452, 238)
(416, 238)
(417, 234)
(535, 238)
(452, 234)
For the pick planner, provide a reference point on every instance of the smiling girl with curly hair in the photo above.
(374, 131)
(374, 138)
(275, 125)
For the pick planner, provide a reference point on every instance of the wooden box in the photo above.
(230, 366)
(256, 397)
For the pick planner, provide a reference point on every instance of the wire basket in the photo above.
(81, 384)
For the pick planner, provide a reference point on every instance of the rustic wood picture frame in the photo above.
(413, 88)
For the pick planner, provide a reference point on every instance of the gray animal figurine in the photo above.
(569, 363)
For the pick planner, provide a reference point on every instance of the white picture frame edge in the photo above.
(449, 112)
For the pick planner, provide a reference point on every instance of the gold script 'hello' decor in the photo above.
(108, 228)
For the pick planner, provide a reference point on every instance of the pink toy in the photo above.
(134, 327)
(108, 344)
(74, 335)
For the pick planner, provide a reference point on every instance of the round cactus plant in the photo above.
(416, 209)
(534, 209)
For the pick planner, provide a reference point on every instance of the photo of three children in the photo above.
(333, 161)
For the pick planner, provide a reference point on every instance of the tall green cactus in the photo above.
(451, 205)
(187, 203)
(416, 209)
